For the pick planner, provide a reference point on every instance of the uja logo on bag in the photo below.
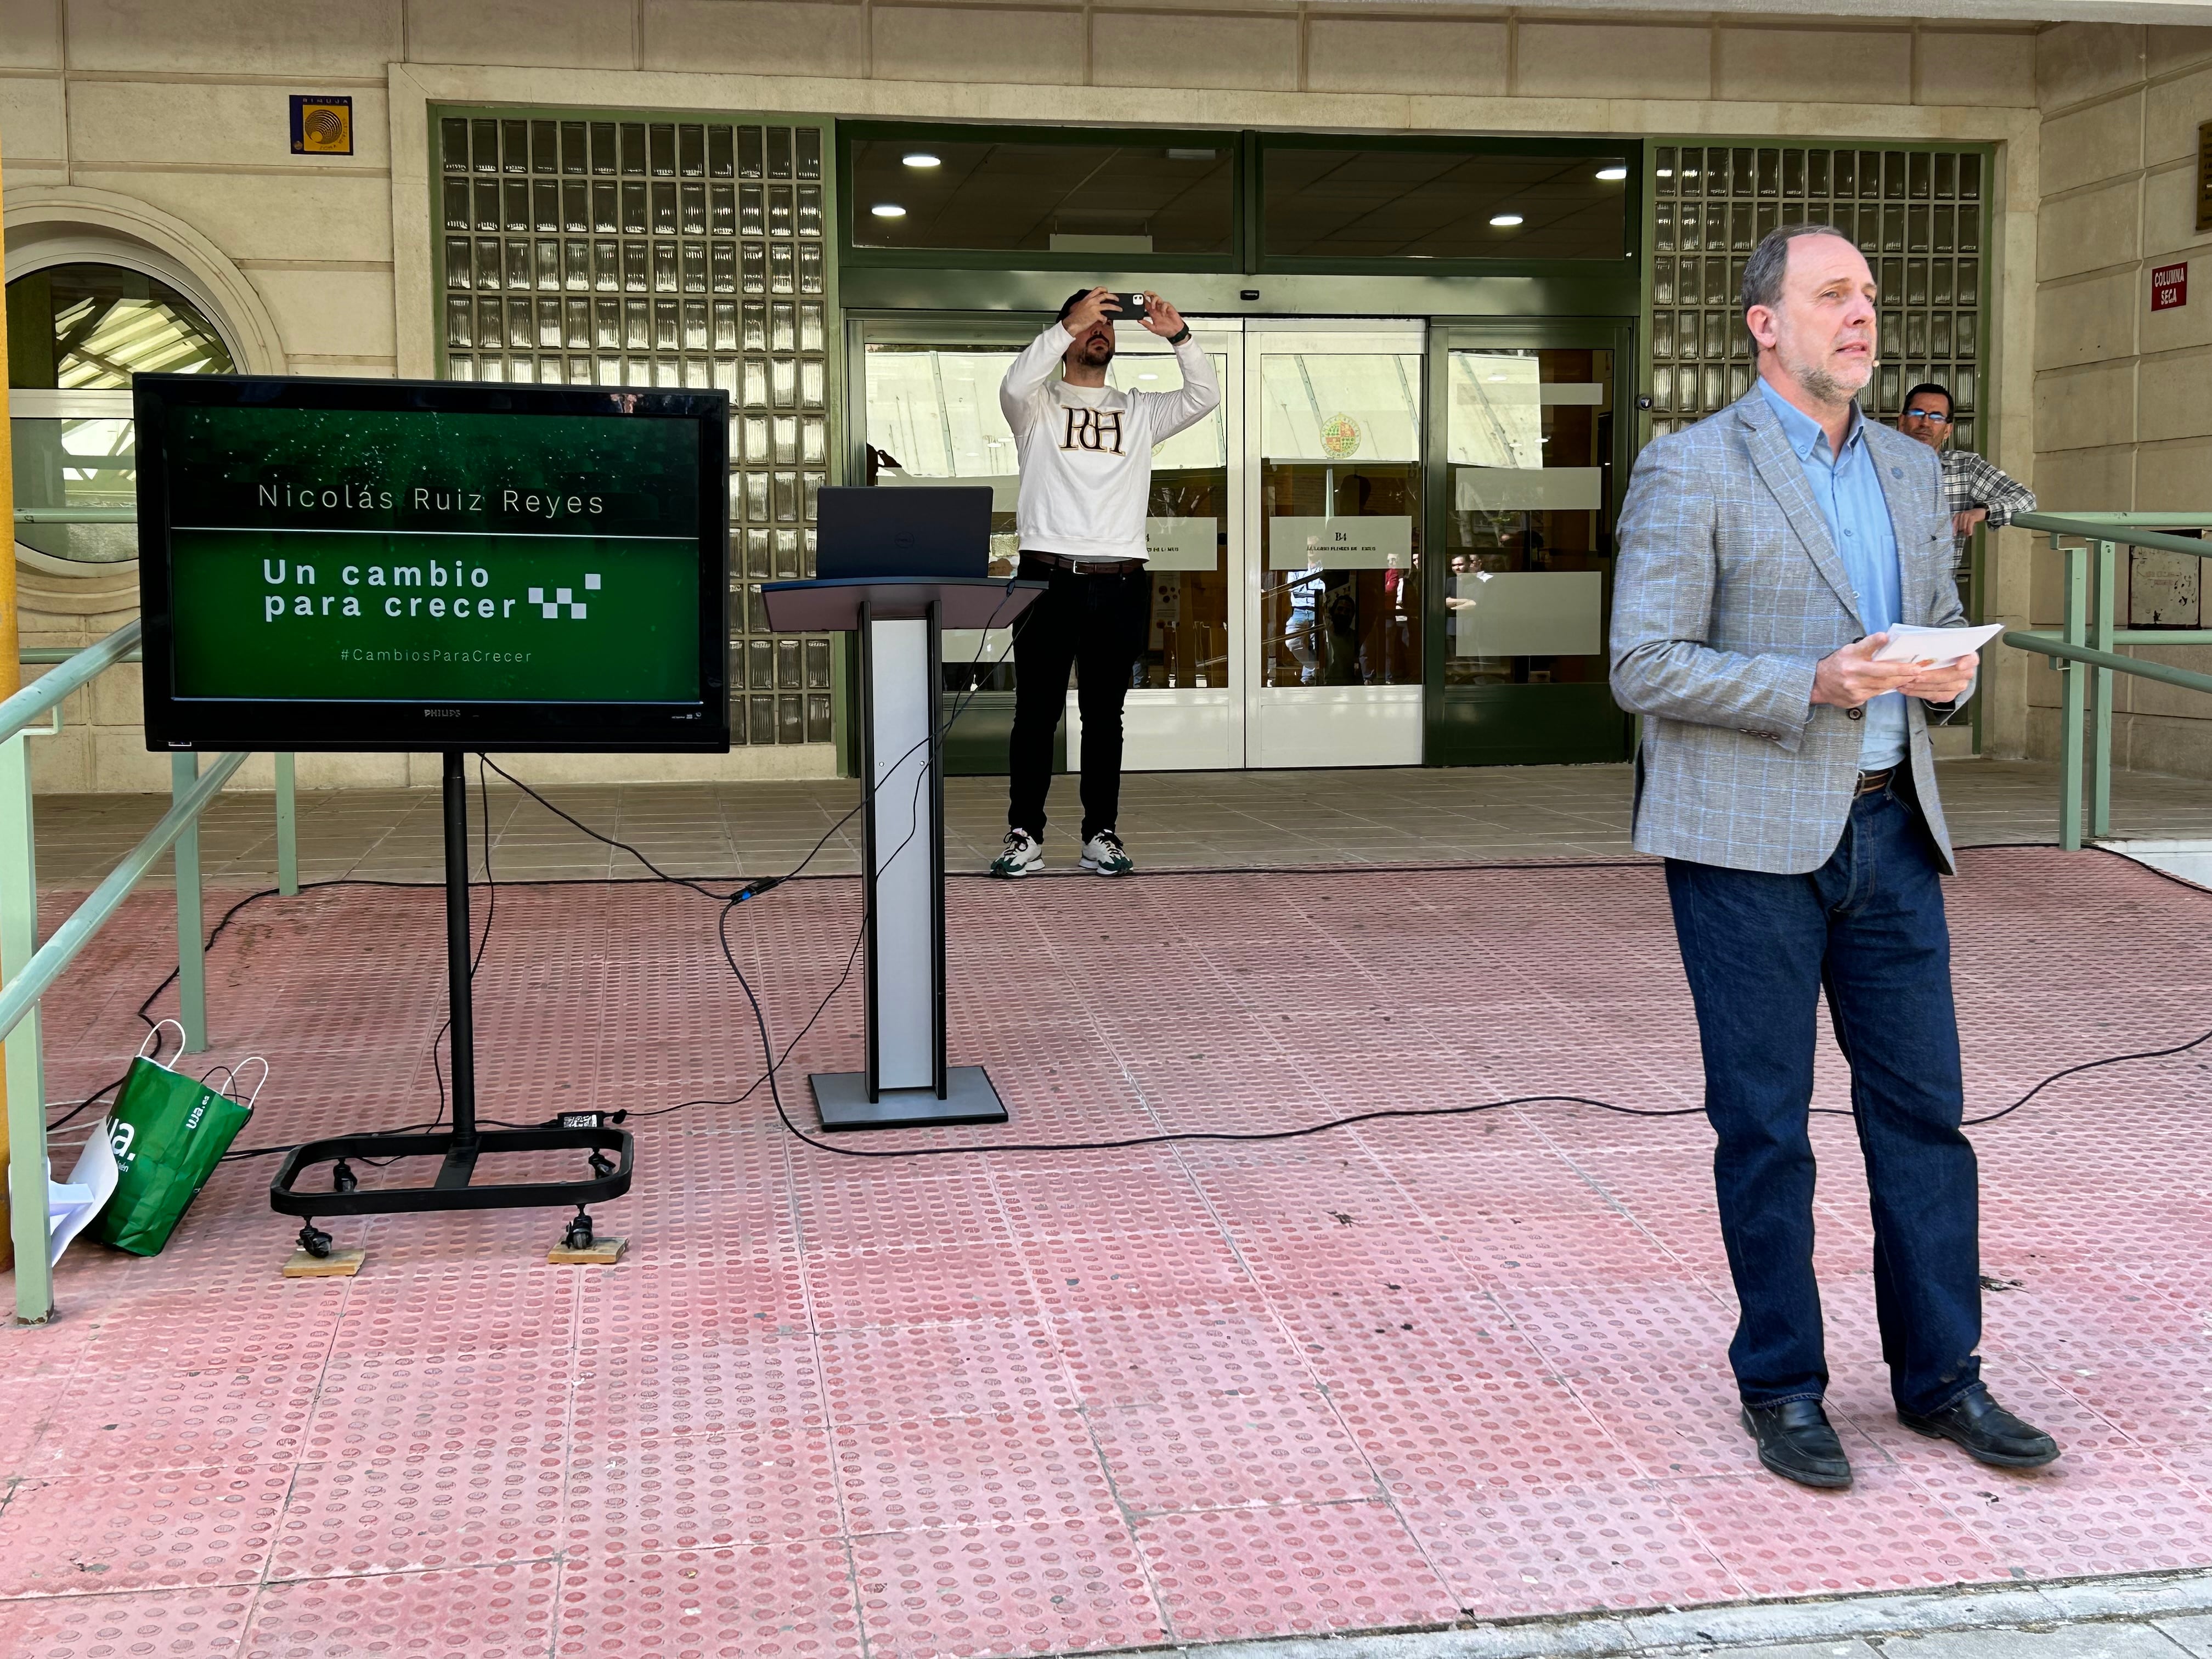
(120, 1142)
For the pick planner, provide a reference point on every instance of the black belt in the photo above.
(1086, 567)
(1871, 781)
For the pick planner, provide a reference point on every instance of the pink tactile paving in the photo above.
(1255, 1446)
(1344, 1566)
(1030, 1402)
(506, 1612)
(195, 1622)
(1507, 1552)
(1031, 1589)
(776, 1601)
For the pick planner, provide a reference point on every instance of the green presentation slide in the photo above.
(414, 557)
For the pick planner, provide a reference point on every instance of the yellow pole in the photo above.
(11, 679)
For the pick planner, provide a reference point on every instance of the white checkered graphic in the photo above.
(550, 609)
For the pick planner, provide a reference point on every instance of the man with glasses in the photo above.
(1976, 490)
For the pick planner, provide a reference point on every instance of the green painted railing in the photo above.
(28, 969)
(2082, 650)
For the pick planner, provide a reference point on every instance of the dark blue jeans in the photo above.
(1867, 929)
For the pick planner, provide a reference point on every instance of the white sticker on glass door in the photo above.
(1529, 613)
(1529, 489)
(1183, 543)
(1378, 544)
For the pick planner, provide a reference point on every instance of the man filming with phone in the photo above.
(1085, 452)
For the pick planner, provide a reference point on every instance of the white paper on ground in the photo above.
(72, 1205)
(1935, 644)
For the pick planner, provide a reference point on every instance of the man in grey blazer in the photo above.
(1786, 777)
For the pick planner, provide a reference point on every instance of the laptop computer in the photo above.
(928, 534)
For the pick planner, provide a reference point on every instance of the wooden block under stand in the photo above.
(599, 1253)
(338, 1264)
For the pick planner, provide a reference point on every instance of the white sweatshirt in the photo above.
(1086, 452)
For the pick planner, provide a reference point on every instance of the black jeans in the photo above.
(1096, 625)
(1867, 929)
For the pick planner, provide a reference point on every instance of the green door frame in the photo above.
(1517, 725)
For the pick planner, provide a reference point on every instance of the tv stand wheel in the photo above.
(343, 1179)
(579, 1235)
(315, 1241)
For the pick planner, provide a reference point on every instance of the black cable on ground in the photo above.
(774, 1062)
(746, 889)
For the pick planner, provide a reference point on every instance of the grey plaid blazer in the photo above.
(1729, 590)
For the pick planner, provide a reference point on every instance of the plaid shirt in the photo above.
(1971, 481)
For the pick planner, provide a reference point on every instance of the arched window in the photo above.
(76, 333)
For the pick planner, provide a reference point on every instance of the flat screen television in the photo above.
(342, 564)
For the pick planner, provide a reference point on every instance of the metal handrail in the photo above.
(30, 969)
(2045, 646)
(2082, 650)
(2133, 532)
(35, 700)
(48, 962)
(77, 515)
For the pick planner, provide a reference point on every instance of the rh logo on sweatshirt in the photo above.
(1097, 430)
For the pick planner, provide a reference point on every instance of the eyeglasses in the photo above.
(1928, 416)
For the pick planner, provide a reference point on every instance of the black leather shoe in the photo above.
(1990, 1433)
(1796, 1442)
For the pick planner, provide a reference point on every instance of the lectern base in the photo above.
(841, 1098)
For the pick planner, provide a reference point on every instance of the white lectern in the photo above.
(900, 623)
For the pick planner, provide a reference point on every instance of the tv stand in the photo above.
(610, 1155)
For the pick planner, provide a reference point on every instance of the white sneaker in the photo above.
(1018, 856)
(1104, 852)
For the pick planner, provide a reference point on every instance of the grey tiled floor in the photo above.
(1170, 820)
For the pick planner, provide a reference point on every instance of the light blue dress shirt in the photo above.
(1848, 487)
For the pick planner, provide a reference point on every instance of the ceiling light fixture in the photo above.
(921, 158)
(887, 211)
(1613, 175)
(1505, 221)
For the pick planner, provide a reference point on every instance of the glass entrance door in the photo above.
(930, 390)
(1185, 710)
(1296, 619)
(1533, 458)
(1333, 537)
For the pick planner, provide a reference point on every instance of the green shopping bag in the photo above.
(169, 1131)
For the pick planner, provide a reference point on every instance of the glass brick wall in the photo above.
(1920, 217)
(610, 252)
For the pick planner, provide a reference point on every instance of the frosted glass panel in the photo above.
(1364, 543)
(1183, 543)
(1508, 489)
(1529, 613)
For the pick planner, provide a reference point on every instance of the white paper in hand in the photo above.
(1941, 646)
